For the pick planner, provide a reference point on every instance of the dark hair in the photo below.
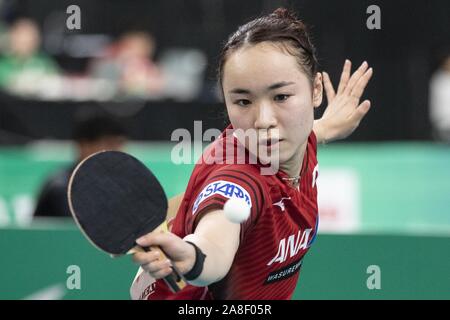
(282, 27)
(93, 126)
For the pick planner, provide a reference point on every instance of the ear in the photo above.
(317, 90)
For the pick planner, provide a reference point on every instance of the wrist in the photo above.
(196, 265)
(320, 131)
(190, 260)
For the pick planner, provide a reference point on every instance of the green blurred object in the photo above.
(410, 267)
(39, 263)
(404, 229)
(404, 187)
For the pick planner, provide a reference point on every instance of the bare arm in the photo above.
(217, 237)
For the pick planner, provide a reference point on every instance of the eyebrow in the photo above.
(271, 87)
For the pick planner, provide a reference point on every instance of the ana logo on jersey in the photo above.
(288, 248)
(226, 189)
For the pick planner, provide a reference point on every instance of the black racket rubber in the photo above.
(116, 199)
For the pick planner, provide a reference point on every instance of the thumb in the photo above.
(154, 238)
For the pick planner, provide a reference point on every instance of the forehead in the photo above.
(260, 64)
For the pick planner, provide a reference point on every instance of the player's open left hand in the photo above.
(180, 253)
(344, 111)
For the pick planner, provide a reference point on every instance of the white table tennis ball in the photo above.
(236, 210)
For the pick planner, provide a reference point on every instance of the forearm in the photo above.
(216, 264)
(218, 239)
(214, 235)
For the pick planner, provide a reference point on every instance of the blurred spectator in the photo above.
(129, 65)
(23, 68)
(184, 69)
(92, 133)
(440, 101)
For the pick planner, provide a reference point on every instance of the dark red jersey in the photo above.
(277, 235)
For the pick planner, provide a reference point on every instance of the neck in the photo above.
(292, 167)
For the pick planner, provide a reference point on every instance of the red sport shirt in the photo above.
(273, 240)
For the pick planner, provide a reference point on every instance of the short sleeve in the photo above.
(222, 185)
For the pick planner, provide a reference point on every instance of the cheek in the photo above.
(239, 118)
(299, 116)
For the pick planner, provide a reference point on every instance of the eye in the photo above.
(242, 102)
(281, 97)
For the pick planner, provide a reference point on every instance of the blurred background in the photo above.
(80, 76)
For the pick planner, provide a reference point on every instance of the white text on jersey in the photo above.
(291, 246)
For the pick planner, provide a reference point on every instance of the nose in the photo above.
(265, 117)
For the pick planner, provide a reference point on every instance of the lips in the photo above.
(269, 142)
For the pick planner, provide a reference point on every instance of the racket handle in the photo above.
(175, 280)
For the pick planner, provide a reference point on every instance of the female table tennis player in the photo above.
(270, 84)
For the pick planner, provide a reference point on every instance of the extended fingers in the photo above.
(329, 90)
(358, 90)
(355, 77)
(345, 76)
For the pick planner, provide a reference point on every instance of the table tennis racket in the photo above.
(115, 199)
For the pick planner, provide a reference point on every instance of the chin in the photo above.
(276, 159)
(287, 155)
(284, 157)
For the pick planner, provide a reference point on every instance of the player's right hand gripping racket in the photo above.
(115, 199)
